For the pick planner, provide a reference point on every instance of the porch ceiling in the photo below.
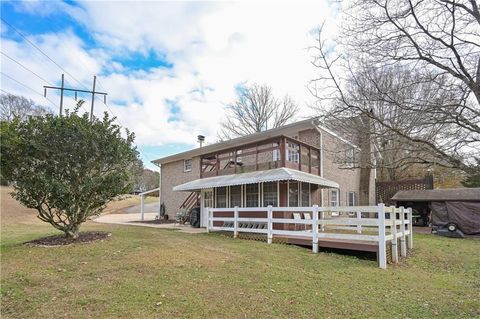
(272, 175)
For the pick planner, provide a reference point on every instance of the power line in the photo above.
(59, 66)
(29, 70)
(26, 86)
(36, 47)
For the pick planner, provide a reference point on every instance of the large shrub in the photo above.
(67, 168)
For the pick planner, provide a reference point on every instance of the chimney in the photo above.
(200, 140)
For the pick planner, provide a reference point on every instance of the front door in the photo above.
(207, 202)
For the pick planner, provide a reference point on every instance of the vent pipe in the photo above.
(200, 140)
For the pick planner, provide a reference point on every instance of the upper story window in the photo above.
(350, 157)
(293, 152)
(334, 197)
(276, 155)
(187, 165)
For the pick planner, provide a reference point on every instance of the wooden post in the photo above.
(300, 157)
(235, 222)
(310, 160)
(393, 230)
(235, 161)
(141, 207)
(208, 219)
(322, 218)
(359, 220)
(403, 244)
(256, 157)
(410, 229)
(382, 247)
(315, 229)
(283, 152)
(270, 224)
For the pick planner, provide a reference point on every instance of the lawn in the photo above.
(153, 273)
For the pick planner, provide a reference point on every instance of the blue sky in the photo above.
(169, 68)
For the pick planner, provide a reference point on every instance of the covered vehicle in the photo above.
(451, 211)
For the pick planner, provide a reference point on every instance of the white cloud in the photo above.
(213, 48)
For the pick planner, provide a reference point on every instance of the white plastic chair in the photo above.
(297, 216)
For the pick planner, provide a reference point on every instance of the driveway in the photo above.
(131, 216)
(147, 208)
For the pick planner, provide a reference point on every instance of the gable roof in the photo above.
(438, 195)
(252, 138)
(289, 129)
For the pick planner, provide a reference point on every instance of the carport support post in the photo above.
(393, 230)
(208, 220)
(382, 245)
(315, 230)
(141, 207)
(403, 244)
(410, 229)
(235, 222)
(270, 224)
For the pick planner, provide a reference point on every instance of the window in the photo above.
(334, 197)
(221, 197)
(276, 155)
(292, 152)
(251, 195)
(352, 198)
(293, 194)
(236, 196)
(305, 195)
(270, 194)
(350, 157)
(187, 165)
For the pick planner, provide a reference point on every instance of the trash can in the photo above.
(195, 217)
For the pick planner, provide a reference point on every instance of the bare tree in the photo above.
(12, 106)
(431, 111)
(256, 110)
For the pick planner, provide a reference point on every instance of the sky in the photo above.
(169, 68)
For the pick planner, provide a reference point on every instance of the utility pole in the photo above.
(93, 97)
(63, 88)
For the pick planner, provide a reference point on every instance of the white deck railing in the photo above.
(352, 223)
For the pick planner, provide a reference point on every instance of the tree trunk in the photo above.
(73, 231)
(365, 159)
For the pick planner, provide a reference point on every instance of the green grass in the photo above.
(146, 272)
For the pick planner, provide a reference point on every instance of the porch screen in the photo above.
(305, 194)
(270, 194)
(251, 195)
(221, 197)
(236, 196)
(293, 194)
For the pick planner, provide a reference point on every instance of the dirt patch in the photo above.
(61, 240)
(156, 221)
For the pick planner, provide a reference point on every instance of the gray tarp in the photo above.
(466, 215)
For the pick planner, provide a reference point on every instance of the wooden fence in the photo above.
(378, 224)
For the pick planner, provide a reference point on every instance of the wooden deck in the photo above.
(359, 245)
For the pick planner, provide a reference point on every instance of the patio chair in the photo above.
(307, 216)
(297, 216)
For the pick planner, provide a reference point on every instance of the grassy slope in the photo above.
(145, 272)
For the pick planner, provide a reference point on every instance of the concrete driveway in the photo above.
(148, 208)
(131, 216)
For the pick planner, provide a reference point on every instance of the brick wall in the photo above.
(173, 175)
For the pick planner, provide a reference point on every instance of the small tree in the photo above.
(67, 168)
(256, 109)
(12, 106)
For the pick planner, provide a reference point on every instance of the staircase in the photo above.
(191, 201)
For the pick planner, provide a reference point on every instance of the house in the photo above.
(299, 164)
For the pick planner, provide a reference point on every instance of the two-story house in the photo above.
(299, 164)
